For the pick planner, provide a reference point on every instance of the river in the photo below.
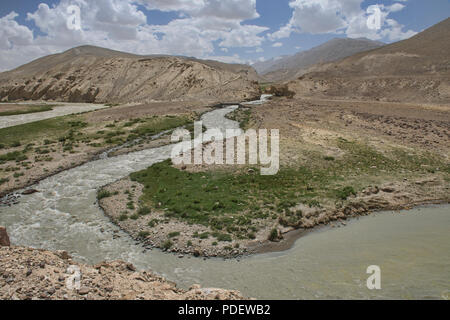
(412, 248)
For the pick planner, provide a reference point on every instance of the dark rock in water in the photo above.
(29, 191)
(4, 238)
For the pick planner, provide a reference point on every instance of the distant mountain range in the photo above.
(416, 69)
(289, 67)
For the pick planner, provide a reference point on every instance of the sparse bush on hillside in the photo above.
(280, 91)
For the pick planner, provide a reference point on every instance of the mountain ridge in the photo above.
(100, 75)
(290, 67)
(415, 69)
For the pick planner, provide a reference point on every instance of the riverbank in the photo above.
(121, 203)
(369, 159)
(31, 274)
(32, 152)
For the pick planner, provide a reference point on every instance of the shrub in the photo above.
(143, 234)
(13, 156)
(280, 91)
(153, 223)
(273, 235)
(143, 211)
(167, 245)
(224, 237)
(102, 194)
(16, 144)
(174, 234)
(204, 235)
(345, 193)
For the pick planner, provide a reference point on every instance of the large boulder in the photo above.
(4, 239)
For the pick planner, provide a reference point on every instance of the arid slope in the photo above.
(92, 74)
(413, 70)
(291, 67)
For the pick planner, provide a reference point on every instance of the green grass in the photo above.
(242, 116)
(231, 202)
(173, 234)
(143, 211)
(37, 131)
(13, 156)
(223, 201)
(70, 129)
(29, 109)
(155, 125)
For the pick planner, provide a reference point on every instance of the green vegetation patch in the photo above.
(231, 202)
(72, 131)
(27, 110)
(39, 130)
(155, 125)
(242, 116)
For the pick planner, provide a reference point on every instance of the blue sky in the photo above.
(243, 31)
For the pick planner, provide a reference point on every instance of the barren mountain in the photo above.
(262, 67)
(413, 70)
(291, 67)
(92, 74)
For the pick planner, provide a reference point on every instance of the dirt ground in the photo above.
(129, 112)
(426, 126)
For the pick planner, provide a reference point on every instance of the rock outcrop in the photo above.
(27, 273)
(4, 238)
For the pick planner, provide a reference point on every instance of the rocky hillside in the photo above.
(92, 74)
(291, 67)
(27, 274)
(413, 70)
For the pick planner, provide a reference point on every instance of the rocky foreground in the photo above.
(30, 274)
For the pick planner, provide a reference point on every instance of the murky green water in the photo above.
(412, 249)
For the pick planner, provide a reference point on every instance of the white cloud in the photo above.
(11, 33)
(120, 25)
(277, 45)
(340, 16)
